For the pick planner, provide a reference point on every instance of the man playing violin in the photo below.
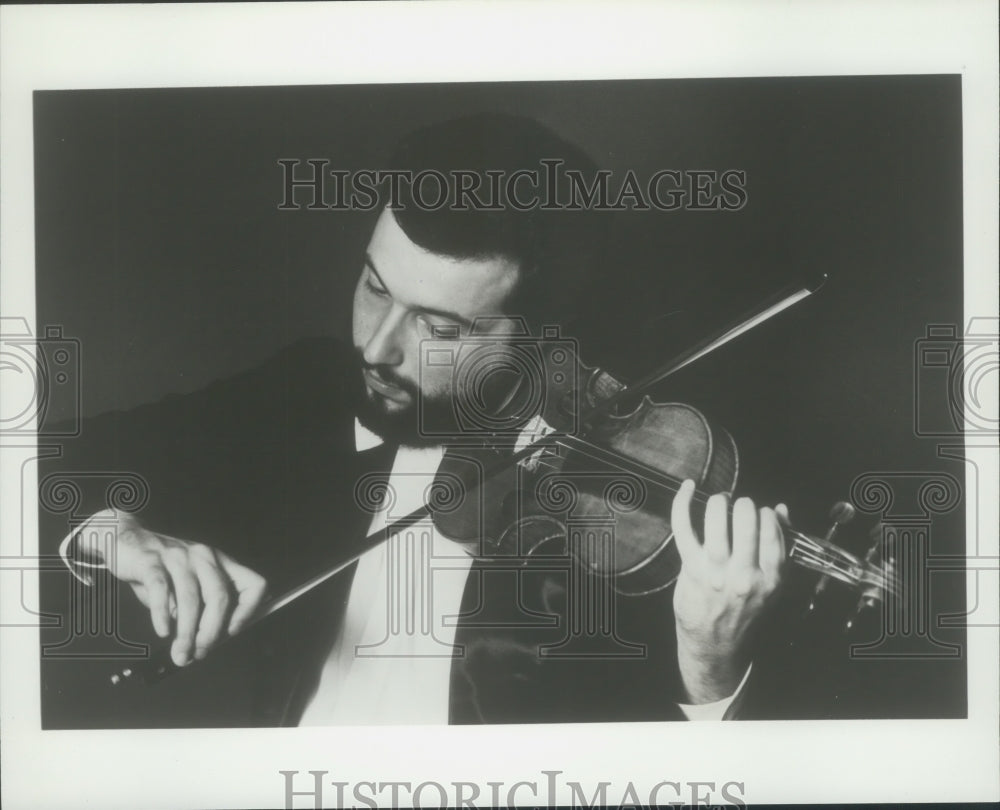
(426, 273)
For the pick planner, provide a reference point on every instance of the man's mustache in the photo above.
(387, 375)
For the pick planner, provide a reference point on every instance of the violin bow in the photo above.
(774, 304)
(159, 664)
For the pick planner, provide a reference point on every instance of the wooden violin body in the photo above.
(604, 499)
(628, 471)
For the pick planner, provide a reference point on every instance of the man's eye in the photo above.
(438, 331)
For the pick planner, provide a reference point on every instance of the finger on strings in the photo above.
(717, 547)
(772, 544)
(746, 533)
(680, 521)
(781, 511)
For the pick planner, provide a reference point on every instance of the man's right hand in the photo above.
(203, 592)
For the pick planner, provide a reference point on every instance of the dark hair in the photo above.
(558, 251)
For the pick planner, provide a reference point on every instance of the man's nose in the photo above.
(385, 347)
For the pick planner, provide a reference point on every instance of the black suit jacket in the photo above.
(263, 466)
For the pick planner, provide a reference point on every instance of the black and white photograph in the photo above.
(369, 434)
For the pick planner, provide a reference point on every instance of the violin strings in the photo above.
(830, 558)
(823, 556)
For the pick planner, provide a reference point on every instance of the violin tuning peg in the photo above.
(816, 594)
(864, 603)
(875, 543)
(841, 514)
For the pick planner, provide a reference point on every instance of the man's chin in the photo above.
(394, 424)
(410, 422)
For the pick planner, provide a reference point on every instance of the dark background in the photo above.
(161, 248)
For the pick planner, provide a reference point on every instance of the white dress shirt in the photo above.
(391, 661)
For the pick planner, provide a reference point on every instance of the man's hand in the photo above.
(206, 592)
(722, 588)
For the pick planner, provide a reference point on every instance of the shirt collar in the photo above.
(364, 439)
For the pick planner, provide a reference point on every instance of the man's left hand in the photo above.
(723, 587)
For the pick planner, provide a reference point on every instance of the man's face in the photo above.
(404, 292)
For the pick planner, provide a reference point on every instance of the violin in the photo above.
(590, 477)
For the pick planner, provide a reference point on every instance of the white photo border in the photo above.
(259, 44)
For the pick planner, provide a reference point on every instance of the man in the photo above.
(204, 568)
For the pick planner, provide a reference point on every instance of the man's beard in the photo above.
(426, 421)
